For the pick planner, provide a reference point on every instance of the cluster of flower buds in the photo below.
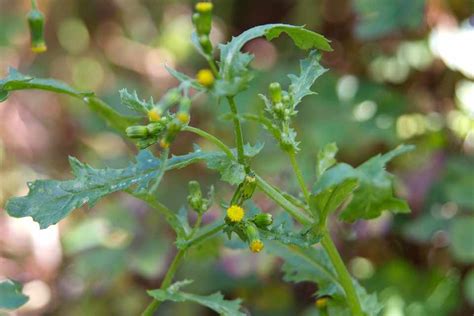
(163, 126)
(280, 105)
(202, 20)
(247, 229)
(36, 25)
(199, 204)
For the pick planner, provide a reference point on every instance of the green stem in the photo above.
(200, 238)
(276, 196)
(213, 66)
(299, 175)
(153, 306)
(344, 276)
(210, 138)
(239, 140)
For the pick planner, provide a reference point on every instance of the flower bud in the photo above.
(248, 187)
(183, 117)
(203, 18)
(253, 238)
(205, 77)
(275, 92)
(195, 196)
(137, 131)
(263, 220)
(155, 128)
(36, 25)
(285, 99)
(206, 44)
(146, 142)
(164, 143)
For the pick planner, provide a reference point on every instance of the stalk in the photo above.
(344, 276)
(299, 175)
(239, 140)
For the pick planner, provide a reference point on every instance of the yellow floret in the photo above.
(256, 245)
(321, 302)
(235, 213)
(183, 117)
(205, 77)
(164, 144)
(39, 48)
(204, 7)
(154, 115)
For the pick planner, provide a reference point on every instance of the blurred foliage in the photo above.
(401, 71)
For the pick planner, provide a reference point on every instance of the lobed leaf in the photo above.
(215, 301)
(234, 71)
(375, 191)
(311, 69)
(303, 264)
(11, 296)
(133, 102)
(49, 201)
(326, 158)
(18, 81)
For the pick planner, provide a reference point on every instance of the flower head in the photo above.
(183, 117)
(256, 245)
(164, 144)
(205, 77)
(204, 7)
(321, 302)
(154, 115)
(235, 213)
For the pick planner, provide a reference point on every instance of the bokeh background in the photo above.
(401, 71)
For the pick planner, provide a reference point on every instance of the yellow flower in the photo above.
(183, 117)
(39, 48)
(321, 302)
(256, 245)
(154, 115)
(164, 144)
(204, 7)
(205, 77)
(235, 213)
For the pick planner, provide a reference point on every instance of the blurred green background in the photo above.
(401, 71)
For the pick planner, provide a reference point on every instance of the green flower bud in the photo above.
(275, 92)
(138, 131)
(263, 220)
(146, 142)
(286, 99)
(36, 25)
(206, 44)
(203, 18)
(155, 128)
(195, 196)
(248, 187)
(251, 231)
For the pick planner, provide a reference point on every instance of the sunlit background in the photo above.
(401, 71)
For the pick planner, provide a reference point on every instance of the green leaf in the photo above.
(331, 198)
(326, 159)
(133, 102)
(49, 201)
(17, 81)
(230, 170)
(234, 64)
(311, 264)
(215, 301)
(462, 239)
(375, 192)
(11, 296)
(311, 69)
(282, 230)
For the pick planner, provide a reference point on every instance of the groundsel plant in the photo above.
(301, 240)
